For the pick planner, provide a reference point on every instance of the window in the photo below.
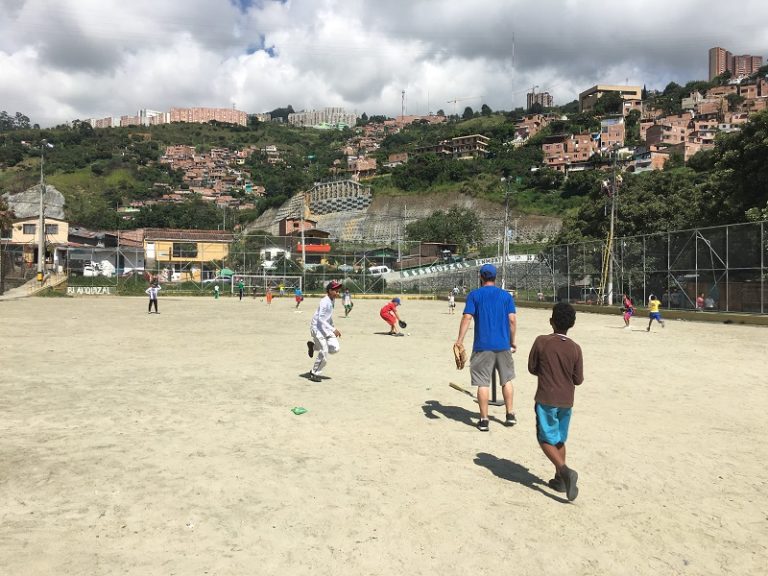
(29, 229)
(5, 234)
(184, 250)
(51, 228)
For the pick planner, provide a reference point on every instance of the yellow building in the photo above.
(24, 236)
(184, 254)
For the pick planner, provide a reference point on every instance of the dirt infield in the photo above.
(165, 444)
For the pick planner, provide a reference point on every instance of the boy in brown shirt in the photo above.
(559, 365)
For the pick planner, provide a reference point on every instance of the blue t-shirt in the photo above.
(490, 306)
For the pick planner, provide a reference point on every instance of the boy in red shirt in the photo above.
(558, 363)
(389, 314)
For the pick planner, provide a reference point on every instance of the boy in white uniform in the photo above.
(152, 292)
(325, 337)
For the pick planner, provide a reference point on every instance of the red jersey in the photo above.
(388, 309)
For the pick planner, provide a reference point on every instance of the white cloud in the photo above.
(92, 58)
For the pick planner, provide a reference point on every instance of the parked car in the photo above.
(378, 270)
(218, 280)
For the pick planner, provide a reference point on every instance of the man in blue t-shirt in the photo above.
(493, 310)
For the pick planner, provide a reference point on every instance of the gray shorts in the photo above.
(483, 364)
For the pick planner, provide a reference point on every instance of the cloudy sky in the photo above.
(67, 59)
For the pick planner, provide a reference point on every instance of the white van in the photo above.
(378, 270)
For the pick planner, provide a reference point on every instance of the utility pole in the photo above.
(614, 194)
(303, 246)
(41, 218)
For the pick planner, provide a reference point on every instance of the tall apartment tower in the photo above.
(721, 60)
(543, 98)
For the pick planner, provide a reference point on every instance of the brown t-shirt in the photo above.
(557, 361)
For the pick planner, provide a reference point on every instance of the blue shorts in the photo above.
(655, 316)
(552, 424)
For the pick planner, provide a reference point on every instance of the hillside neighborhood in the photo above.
(635, 130)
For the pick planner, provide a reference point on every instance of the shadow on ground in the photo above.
(514, 472)
(306, 375)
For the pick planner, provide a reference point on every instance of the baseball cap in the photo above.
(333, 285)
(396, 301)
(488, 271)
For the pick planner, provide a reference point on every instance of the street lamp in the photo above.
(41, 219)
(505, 250)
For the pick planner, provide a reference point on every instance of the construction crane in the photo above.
(455, 100)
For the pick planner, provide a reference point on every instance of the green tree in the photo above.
(468, 113)
(609, 103)
(457, 226)
(632, 128)
(6, 215)
(740, 173)
(485, 110)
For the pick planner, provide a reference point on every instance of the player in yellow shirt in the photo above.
(653, 307)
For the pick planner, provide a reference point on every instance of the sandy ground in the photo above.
(165, 444)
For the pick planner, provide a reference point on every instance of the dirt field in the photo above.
(165, 444)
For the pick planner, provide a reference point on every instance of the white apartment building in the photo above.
(332, 116)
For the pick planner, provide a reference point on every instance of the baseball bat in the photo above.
(461, 389)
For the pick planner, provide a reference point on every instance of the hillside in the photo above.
(248, 173)
(99, 171)
(387, 216)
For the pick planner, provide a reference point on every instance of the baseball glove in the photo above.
(460, 355)
(402, 324)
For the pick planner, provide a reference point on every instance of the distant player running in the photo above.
(653, 307)
(629, 310)
(346, 299)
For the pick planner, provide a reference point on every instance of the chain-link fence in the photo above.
(715, 268)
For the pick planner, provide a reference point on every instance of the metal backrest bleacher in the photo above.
(258, 283)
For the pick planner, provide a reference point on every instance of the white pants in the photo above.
(323, 347)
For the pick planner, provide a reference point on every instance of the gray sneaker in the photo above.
(569, 479)
(556, 484)
(482, 425)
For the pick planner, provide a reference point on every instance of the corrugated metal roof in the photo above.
(188, 235)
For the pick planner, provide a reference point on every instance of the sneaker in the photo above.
(314, 377)
(310, 348)
(569, 479)
(557, 484)
(511, 420)
(482, 425)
